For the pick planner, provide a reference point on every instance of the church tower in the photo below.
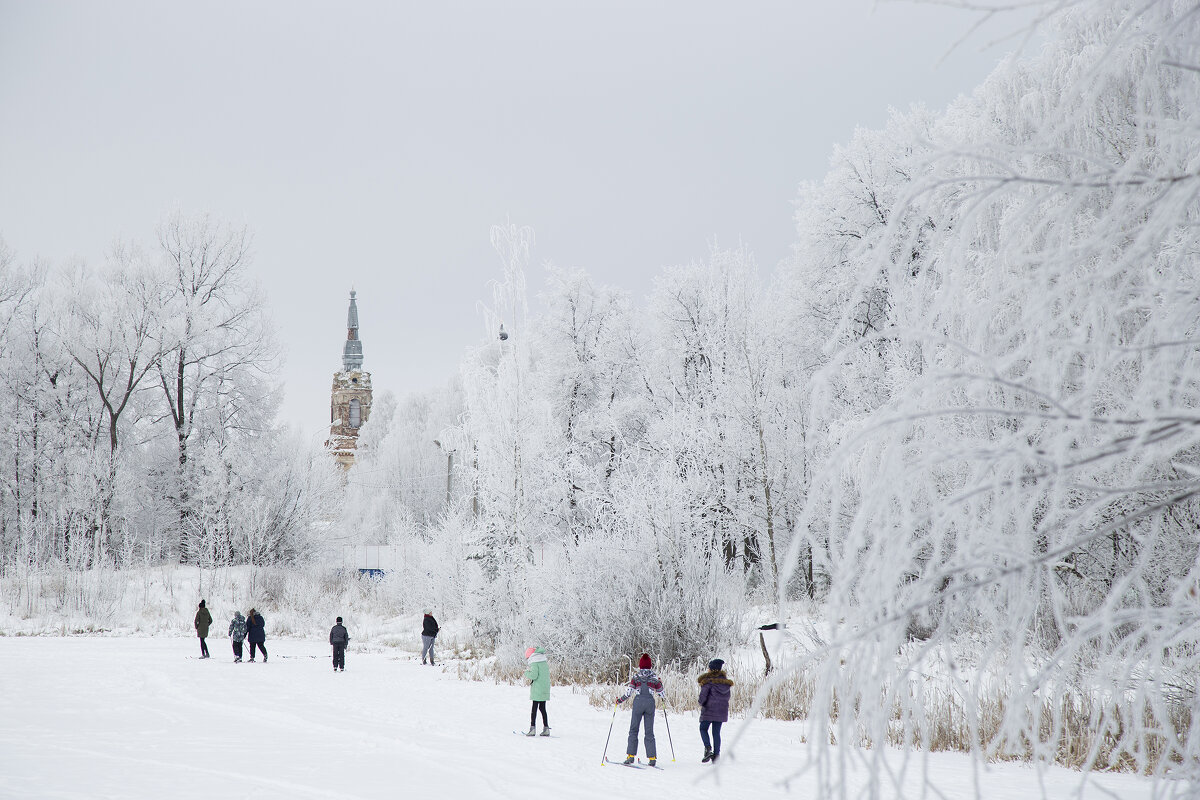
(350, 400)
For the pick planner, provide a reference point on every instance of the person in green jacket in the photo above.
(538, 676)
(203, 620)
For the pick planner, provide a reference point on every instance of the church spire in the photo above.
(350, 397)
(352, 353)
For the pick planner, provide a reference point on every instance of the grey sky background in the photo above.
(374, 144)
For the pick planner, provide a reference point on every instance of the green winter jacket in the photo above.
(203, 620)
(538, 676)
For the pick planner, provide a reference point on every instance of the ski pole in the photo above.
(604, 759)
(669, 732)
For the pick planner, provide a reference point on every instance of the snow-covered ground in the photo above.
(110, 717)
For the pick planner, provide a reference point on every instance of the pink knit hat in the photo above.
(530, 652)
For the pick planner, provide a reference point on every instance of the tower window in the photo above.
(355, 414)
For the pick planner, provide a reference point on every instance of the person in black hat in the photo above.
(715, 688)
(339, 638)
(203, 620)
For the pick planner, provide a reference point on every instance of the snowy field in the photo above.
(106, 717)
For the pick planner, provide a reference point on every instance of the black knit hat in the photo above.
(339, 620)
(715, 664)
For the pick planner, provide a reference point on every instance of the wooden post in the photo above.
(763, 642)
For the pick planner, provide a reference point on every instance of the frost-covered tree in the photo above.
(110, 326)
(1015, 507)
(578, 431)
(585, 371)
(403, 479)
(286, 517)
(504, 421)
(715, 368)
(90, 459)
(217, 353)
(54, 436)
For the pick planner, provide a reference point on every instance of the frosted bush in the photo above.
(608, 604)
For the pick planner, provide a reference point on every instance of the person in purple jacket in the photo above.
(714, 707)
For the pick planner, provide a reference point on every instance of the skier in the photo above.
(538, 676)
(257, 634)
(429, 632)
(339, 638)
(203, 620)
(237, 634)
(714, 707)
(642, 687)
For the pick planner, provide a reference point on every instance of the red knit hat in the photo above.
(644, 662)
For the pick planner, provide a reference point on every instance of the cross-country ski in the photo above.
(529, 735)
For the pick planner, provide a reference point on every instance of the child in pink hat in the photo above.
(538, 677)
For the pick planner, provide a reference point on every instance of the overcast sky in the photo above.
(374, 144)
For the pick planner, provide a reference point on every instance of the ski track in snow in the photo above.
(101, 717)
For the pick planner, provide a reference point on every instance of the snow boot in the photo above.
(545, 731)
(714, 758)
(629, 760)
(532, 731)
(707, 756)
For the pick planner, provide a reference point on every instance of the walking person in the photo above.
(538, 677)
(429, 632)
(339, 638)
(203, 620)
(643, 686)
(256, 633)
(715, 688)
(237, 634)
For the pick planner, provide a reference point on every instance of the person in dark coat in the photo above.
(429, 632)
(715, 688)
(256, 634)
(339, 638)
(237, 635)
(203, 620)
(642, 687)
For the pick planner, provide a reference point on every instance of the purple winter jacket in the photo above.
(714, 696)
